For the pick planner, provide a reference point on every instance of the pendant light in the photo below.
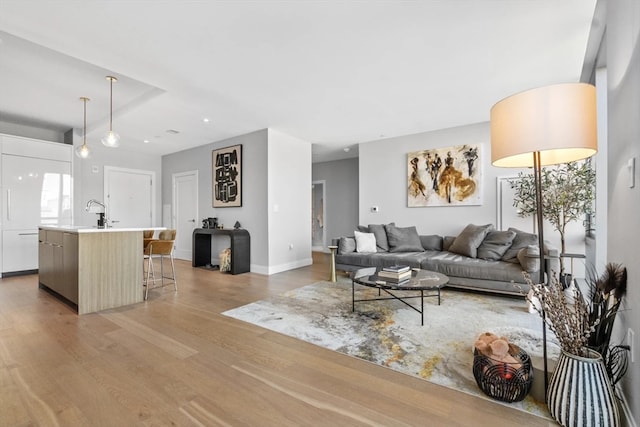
(111, 139)
(83, 150)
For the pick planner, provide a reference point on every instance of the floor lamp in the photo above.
(541, 127)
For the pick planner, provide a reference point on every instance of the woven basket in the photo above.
(504, 381)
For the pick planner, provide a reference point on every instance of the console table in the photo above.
(240, 248)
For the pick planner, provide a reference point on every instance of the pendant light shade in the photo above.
(83, 151)
(111, 139)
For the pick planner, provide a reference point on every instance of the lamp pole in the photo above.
(537, 178)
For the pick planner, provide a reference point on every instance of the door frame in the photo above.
(151, 174)
(174, 187)
(324, 215)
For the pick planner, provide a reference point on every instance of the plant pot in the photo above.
(580, 394)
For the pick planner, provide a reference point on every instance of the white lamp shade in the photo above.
(558, 121)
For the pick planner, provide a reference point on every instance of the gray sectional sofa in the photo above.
(479, 258)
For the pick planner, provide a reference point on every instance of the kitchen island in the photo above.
(92, 268)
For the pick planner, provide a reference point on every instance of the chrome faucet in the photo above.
(94, 202)
(102, 219)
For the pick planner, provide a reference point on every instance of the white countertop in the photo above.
(90, 229)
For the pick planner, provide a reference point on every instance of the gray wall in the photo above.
(276, 195)
(341, 204)
(253, 213)
(383, 182)
(623, 81)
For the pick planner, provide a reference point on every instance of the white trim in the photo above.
(269, 270)
(324, 214)
(626, 411)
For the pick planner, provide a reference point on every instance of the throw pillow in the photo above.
(432, 242)
(346, 245)
(447, 241)
(379, 231)
(522, 240)
(403, 239)
(495, 244)
(468, 241)
(529, 258)
(365, 242)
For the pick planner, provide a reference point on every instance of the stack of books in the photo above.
(395, 273)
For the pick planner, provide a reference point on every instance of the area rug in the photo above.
(389, 334)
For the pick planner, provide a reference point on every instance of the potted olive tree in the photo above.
(568, 192)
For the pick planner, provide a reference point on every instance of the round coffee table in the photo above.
(420, 280)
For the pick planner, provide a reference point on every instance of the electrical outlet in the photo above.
(631, 344)
(290, 246)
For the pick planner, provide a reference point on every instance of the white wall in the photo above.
(289, 202)
(623, 81)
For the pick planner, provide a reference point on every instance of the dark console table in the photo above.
(240, 248)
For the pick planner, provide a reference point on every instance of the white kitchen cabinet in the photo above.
(35, 189)
(19, 250)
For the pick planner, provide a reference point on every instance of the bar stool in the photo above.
(158, 249)
(147, 237)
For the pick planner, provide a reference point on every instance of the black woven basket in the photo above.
(504, 381)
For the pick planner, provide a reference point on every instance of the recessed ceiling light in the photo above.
(347, 149)
(206, 120)
(146, 141)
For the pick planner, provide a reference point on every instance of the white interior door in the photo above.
(129, 195)
(185, 211)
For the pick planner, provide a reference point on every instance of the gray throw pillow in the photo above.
(495, 244)
(346, 245)
(403, 239)
(468, 241)
(432, 242)
(522, 240)
(379, 231)
(447, 241)
(529, 258)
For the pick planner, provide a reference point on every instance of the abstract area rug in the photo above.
(389, 334)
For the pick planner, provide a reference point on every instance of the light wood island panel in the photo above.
(93, 269)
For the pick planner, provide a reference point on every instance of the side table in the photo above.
(332, 271)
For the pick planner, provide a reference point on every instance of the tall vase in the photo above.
(579, 393)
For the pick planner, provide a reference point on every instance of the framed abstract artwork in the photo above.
(227, 177)
(449, 176)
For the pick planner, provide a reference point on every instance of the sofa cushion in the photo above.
(468, 241)
(346, 245)
(379, 231)
(454, 265)
(432, 242)
(365, 242)
(495, 244)
(403, 239)
(522, 240)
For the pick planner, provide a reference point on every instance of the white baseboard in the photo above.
(273, 269)
(626, 412)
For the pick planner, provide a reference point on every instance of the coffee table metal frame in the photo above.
(420, 281)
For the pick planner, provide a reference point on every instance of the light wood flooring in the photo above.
(174, 360)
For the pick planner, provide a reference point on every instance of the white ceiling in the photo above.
(335, 73)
